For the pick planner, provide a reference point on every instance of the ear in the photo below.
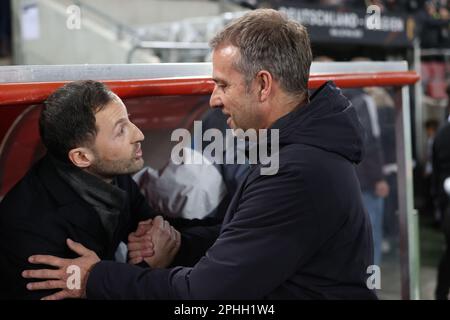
(81, 157)
(265, 82)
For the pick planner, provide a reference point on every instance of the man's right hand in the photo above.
(139, 244)
(164, 238)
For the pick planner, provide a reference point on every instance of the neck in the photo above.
(285, 104)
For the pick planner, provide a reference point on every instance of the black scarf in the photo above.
(107, 199)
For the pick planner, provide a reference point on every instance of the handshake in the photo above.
(155, 242)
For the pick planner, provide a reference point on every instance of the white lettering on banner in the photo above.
(370, 20)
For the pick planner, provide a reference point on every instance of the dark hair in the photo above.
(268, 40)
(431, 124)
(68, 118)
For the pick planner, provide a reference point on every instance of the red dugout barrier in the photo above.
(36, 92)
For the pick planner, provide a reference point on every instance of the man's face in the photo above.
(117, 147)
(230, 92)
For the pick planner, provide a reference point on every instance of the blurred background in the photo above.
(61, 32)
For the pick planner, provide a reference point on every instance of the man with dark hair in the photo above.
(80, 190)
(297, 232)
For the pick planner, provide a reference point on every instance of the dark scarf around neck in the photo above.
(107, 199)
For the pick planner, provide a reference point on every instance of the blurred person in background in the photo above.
(386, 120)
(370, 171)
(431, 128)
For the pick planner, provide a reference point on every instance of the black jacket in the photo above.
(42, 211)
(299, 234)
(441, 165)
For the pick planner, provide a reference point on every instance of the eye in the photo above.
(121, 131)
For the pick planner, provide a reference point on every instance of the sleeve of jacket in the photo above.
(195, 241)
(272, 232)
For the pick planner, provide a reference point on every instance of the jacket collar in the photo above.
(61, 192)
(70, 206)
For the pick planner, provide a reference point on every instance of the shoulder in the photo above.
(443, 135)
(303, 166)
(303, 159)
(22, 192)
(291, 162)
(29, 197)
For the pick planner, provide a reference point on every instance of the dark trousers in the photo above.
(390, 221)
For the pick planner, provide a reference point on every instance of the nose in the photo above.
(214, 100)
(138, 135)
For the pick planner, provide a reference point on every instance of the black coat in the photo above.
(441, 164)
(299, 234)
(42, 211)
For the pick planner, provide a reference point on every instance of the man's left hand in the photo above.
(63, 276)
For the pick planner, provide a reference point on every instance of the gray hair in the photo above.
(268, 40)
